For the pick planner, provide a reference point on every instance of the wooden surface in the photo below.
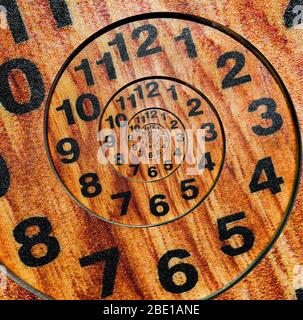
(276, 277)
(141, 184)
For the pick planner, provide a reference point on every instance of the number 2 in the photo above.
(152, 36)
(195, 104)
(230, 79)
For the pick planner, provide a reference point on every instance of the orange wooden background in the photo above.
(259, 22)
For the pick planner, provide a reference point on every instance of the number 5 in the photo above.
(225, 234)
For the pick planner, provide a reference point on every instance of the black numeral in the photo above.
(230, 80)
(270, 114)
(119, 159)
(152, 172)
(299, 294)
(125, 203)
(42, 237)
(206, 162)
(61, 13)
(107, 60)
(110, 141)
(35, 83)
(4, 177)
(120, 120)
(225, 234)
(168, 165)
(166, 273)
(173, 91)
(68, 147)
(144, 49)
(14, 20)
(67, 108)
(212, 133)
(81, 106)
(187, 186)
(195, 104)
(59, 9)
(111, 258)
(120, 43)
(188, 40)
(139, 91)
(136, 168)
(90, 185)
(158, 208)
(153, 88)
(85, 66)
(94, 104)
(273, 182)
(173, 124)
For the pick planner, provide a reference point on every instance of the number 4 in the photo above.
(273, 182)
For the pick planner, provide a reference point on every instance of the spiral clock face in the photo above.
(178, 146)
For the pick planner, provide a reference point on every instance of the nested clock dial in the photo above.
(174, 156)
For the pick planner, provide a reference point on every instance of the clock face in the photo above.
(158, 143)
(176, 150)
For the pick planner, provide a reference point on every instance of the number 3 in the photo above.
(270, 114)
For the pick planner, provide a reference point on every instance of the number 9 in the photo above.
(73, 150)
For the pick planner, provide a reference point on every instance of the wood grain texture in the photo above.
(273, 278)
(167, 181)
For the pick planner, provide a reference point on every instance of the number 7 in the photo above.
(111, 258)
(126, 198)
